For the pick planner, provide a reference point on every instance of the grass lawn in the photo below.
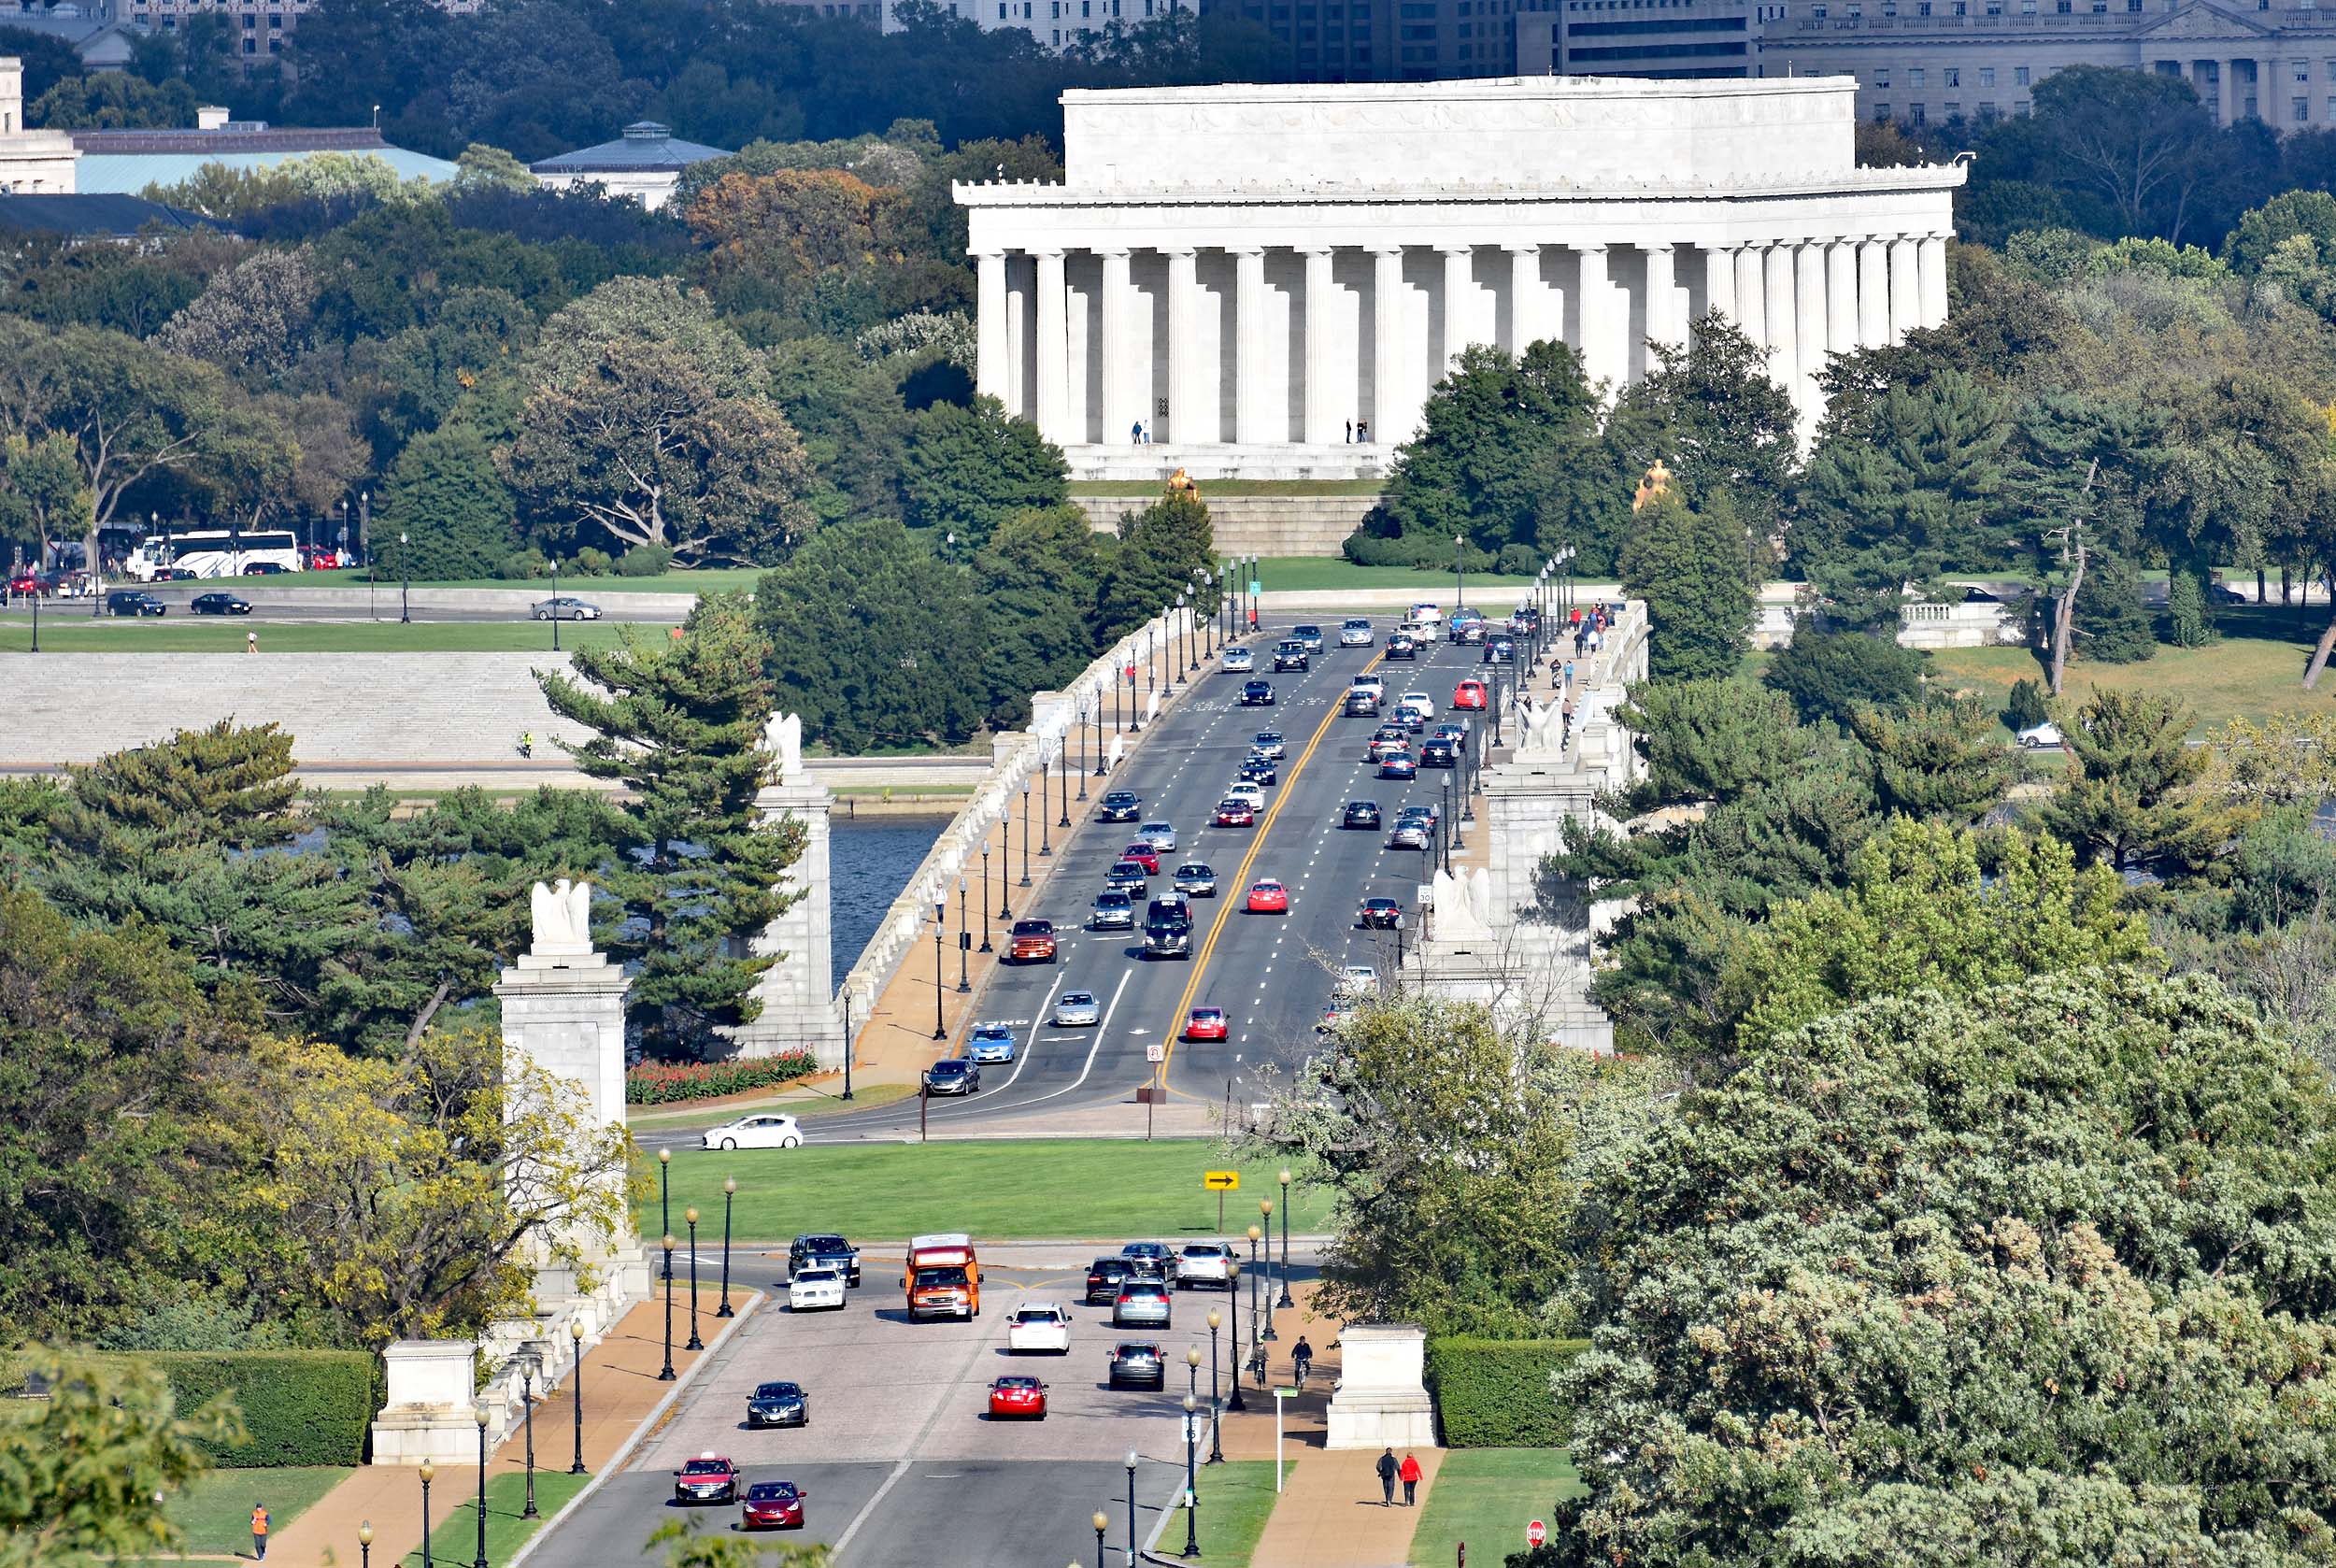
(825, 1102)
(1235, 1498)
(214, 1512)
(223, 636)
(1046, 1188)
(1486, 1497)
(1297, 573)
(456, 1537)
(710, 579)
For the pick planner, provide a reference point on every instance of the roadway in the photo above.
(1272, 974)
(277, 606)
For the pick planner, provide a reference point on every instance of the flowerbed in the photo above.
(662, 1083)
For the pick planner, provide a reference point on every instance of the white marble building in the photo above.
(1260, 274)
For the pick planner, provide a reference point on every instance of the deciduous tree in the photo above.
(964, 470)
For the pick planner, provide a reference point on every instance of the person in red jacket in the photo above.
(1410, 1473)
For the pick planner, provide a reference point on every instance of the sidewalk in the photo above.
(1329, 1516)
(620, 1389)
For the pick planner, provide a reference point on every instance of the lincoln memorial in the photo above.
(1266, 281)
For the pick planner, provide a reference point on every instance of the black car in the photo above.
(263, 569)
(133, 601)
(1103, 1280)
(1360, 813)
(1500, 651)
(1138, 1363)
(1380, 913)
(1291, 655)
(779, 1405)
(824, 1251)
(1401, 647)
(1258, 770)
(219, 604)
(1525, 620)
(1121, 805)
(955, 1075)
(1438, 754)
(1257, 694)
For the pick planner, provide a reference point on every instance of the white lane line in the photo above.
(981, 1347)
(1046, 1009)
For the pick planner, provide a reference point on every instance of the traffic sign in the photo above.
(1256, 588)
(1155, 1051)
(1537, 1533)
(1221, 1181)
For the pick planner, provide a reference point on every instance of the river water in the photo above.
(869, 862)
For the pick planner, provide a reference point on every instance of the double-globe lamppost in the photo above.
(1266, 1212)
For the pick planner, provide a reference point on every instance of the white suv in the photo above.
(1040, 1328)
(1202, 1263)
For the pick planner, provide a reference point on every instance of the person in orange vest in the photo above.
(259, 1532)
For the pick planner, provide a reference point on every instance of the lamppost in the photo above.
(428, 1473)
(690, 1214)
(666, 1375)
(405, 590)
(730, 1190)
(1063, 773)
(1192, 1372)
(1216, 1398)
(966, 935)
(1131, 1464)
(36, 617)
(985, 897)
(1285, 1300)
(478, 1413)
(1184, 615)
(527, 1406)
(555, 604)
(1257, 1317)
(1084, 736)
(1045, 803)
(1151, 650)
(665, 1206)
(576, 1395)
(1191, 1490)
(1233, 1344)
(1098, 721)
(1102, 1521)
(365, 1544)
(1444, 826)
(940, 909)
(1266, 1212)
(1459, 575)
(1026, 832)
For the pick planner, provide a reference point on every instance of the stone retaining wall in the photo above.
(1267, 525)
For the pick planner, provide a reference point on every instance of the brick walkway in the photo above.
(620, 1389)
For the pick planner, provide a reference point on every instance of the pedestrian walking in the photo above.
(252, 642)
(259, 1532)
(1387, 1478)
(1410, 1473)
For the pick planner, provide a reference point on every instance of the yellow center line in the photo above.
(1241, 879)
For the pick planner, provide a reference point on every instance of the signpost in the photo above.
(1279, 1395)
(1535, 1533)
(1220, 1183)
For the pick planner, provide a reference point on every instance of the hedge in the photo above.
(661, 1083)
(1494, 1393)
(299, 1406)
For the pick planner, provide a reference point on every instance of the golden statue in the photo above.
(1178, 482)
(1658, 482)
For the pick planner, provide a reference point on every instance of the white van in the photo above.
(1427, 614)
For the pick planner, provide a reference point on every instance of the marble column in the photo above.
(1456, 286)
(1933, 291)
(1323, 422)
(1720, 281)
(1810, 324)
(1052, 393)
(992, 349)
(1251, 420)
(1841, 296)
(1524, 299)
(1390, 410)
(1601, 344)
(1184, 369)
(1782, 350)
(1905, 286)
(1874, 292)
(1121, 409)
(1665, 327)
(1751, 295)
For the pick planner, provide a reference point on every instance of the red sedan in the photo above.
(1469, 693)
(1235, 814)
(1269, 897)
(1143, 855)
(771, 1505)
(1019, 1399)
(1205, 1023)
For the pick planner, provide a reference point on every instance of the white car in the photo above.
(813, 1290)
(2037, 735)
(1370, 683)
(1238, 661)
(1074, 1009)
(1419, 702)
(755, 1131)
(1202, 1263)
(1039, 1329)
(1159, 836)
(1357, 980)
(1427, 614)
(1253, 793)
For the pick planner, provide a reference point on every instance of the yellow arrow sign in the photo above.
(1221, 1181)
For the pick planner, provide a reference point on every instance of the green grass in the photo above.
(1300, 573)
(213, 1513)
(456, 1537)
(824, 1101)
(1236, 1498)
(1049, 1189)
(1486, 1497)
(206, 635)
(709, 579)
(1142, 494)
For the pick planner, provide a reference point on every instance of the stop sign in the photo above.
(1537, 1533)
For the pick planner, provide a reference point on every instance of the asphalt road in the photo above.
(1271, 973)
(900, 1461)
(428, 605)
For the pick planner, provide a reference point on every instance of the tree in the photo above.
(1710, 740)
(42, 495)
(112, 100)
(1709, 410)
(1830, 675)
(1039, 582)
(252, 321)
(2311, 214)
(1940, 759)
(1851, 1307)
(1161, 548)
(47, 59)
(479, 165)
(1694, 570)
(696, 878)
(2130, 798)
(2108, 622)
(447, 500)
(964, 470)
(2132, 139)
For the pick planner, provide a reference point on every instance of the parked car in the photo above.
(953, 1075)
(768, 1130)
(1039, 1328)
(1137, 1363)
(567, 608)
(133, 601)
(219, 604)
(777, 1405)
(816, 1290)
(2038, 735)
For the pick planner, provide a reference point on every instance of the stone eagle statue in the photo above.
(562, 918)
(782, 738)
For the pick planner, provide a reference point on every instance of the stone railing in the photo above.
(1981, 624)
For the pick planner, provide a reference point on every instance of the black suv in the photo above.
(1121, 805)
(1360, 813)
(133, 601)
(1103, 1280)
(1291, 655)
(826, 1250)
(1258, 693)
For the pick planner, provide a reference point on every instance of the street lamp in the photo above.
(527, 1406)
(665, 1207)
(428, 1471)
(940, 907)
(1026, 832)
(730, 1190)
(985, 897)
(1131, 1464)
(1191, 1489)
(965, 936)
(365, 1544)
(1285, 1300)
(1062, 775)
(405, 591)
(1216, 1398)
(1257, 1314)
(1232, 1345)
(1096, 719)
(478, 1413)
(666, 1375)
(1266, 1212)
(1102, 1521)
(555, 604)
(1460, 578)
(1192, 1370)
(576, 1395)
(690, 1214)
(1083, 728)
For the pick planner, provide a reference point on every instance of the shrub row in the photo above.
(1366, 548)
(299, 1406)
(660, 1083)
(1494, 1393)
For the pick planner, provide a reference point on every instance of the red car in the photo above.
(23, 583)
(1143, 855)
(1205, 1023)
(1269, 897)
(1019, 1399)
(771, 1505)
(1469, 693)
(707, 1478)
(1235, 814)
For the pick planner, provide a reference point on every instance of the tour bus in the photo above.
(944, 1278)
(216, 553)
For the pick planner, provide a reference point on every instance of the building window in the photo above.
(1986, 76)
(2019, 76)
(251, 45)
(1882, 113)
(1953, 108)
(1954, 74)
(2301, 109)
(1882, 77)
(1914, 114)
(1986, 111)
(1914, 76)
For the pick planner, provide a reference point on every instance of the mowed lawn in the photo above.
(1486, 1497)
(213, 1512)
(1300, 573)
(221, 635)
(1235, 1499)
(1055, 1188)
(455, 1538)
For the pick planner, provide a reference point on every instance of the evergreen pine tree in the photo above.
(2131, 799)
(1694, 570)
(445, 497)
(2110, 623)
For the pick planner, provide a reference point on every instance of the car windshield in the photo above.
(948, 1069)
(777, 1391)
(706, 1467)
(825, 1244)
(1036, 1315)
(770, 1491)
(941, 1276)
(1034, 927)
(1080, 998)
(1017, 1382)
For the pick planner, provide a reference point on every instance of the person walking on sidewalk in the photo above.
(1387, 1479)
(258, 1532)
(1409, 1471)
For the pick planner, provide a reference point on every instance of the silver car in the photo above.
(1140, 1303)
(1159, 836)
(1197, 879)
(1114, 911)
(1239, 660)
(1354, 634)
(1074, 1009)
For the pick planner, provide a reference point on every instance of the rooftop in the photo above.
(644, 146)
(105, 216)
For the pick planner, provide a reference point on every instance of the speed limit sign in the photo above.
(1537, 1533)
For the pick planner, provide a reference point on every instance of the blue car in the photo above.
(1397, 765)
(989, 1042)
